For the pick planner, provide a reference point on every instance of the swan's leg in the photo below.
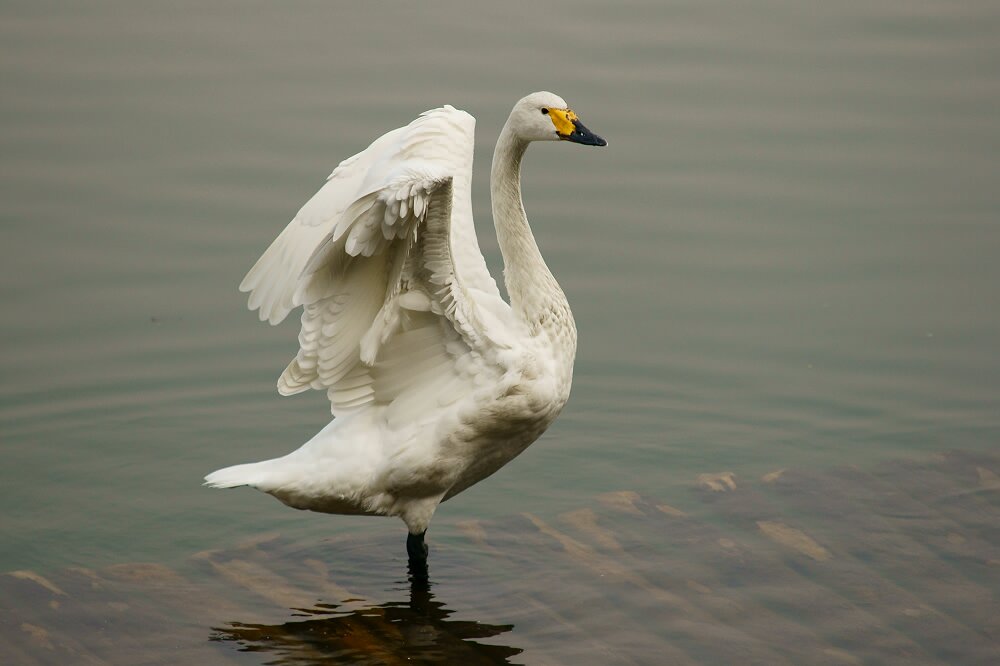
(417, 564)
(415, 547)
(417, 514)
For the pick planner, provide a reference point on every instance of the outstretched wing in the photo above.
(384, 260)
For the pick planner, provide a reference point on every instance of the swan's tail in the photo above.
(250, 474)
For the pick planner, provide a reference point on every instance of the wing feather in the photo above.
(391, 312)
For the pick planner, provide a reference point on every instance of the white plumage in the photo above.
(434, 380)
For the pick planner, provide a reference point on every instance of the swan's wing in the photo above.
(372, 260)
(273, 280)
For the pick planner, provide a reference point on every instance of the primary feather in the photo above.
(434, 380)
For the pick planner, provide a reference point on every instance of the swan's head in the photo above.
(542, 116)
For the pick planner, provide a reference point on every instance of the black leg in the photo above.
(420, 583)
(416, 548)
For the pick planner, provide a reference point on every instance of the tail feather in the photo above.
(233, 477)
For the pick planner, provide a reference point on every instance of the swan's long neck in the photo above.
(535, 296)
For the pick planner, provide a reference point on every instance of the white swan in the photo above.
(434, 380)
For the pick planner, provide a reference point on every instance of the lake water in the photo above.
(786, 257)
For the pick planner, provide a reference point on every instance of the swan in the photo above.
(435, 381)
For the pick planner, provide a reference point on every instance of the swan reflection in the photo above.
(416, 630)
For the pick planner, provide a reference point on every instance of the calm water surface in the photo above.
(787, 256)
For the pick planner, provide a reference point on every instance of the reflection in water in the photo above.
(414, 631)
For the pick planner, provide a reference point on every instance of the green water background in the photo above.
(787, 256)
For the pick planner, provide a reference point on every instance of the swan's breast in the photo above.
(501, 426)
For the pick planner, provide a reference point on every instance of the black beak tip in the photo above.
(584, 136)
(588, 138)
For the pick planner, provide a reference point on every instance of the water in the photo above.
(785, 257)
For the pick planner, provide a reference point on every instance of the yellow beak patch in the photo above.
(563, 120)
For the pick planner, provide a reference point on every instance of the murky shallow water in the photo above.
(786, 256)
(893, 563)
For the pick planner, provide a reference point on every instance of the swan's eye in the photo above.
(545, 112)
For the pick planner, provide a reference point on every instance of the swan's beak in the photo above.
(569, 128)
(582, 135)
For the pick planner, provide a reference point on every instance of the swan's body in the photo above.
(434, 380)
